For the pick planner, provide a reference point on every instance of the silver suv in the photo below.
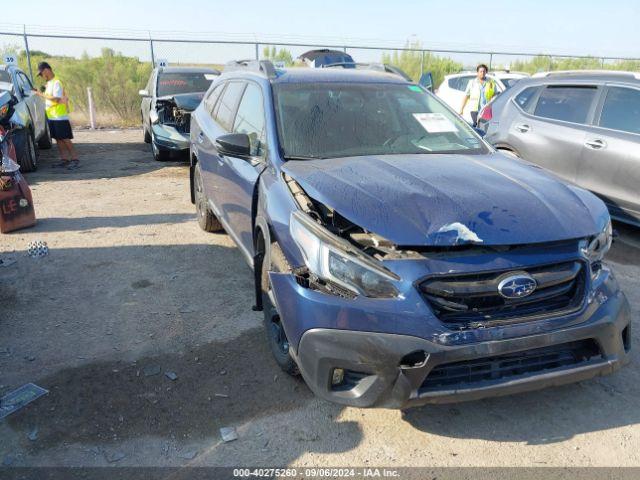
(582, 125)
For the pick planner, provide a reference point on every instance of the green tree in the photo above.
(411, 60)
(282, 55)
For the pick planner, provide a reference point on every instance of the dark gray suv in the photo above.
(582, 125)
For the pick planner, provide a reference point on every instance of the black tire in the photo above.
(206, 219)
(276, 336)
(146, 134)
(26, 152)
(45, 142)
(159, 154)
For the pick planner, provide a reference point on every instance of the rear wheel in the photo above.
(206, 219)
(276, 336)
(26, 152)
(45, 142)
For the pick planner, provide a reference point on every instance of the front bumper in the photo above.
(168, 138)
(377, 357)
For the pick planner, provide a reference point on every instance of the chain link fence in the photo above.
(115, 64)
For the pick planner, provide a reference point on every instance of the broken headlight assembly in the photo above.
(335, 260)
(597, 247)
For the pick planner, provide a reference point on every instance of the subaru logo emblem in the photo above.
(518, 285)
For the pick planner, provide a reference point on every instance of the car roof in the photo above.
(589, 75)
(187, 70)
(305, 75)
(315, 75)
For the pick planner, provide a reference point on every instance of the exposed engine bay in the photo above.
(175, 111)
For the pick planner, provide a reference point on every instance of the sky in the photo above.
(556, 26)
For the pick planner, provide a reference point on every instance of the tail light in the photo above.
(486, 113)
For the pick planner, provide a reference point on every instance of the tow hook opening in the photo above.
(344, 380)
(415, 359)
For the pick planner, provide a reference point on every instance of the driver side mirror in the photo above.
(234, 145)
(426, 81)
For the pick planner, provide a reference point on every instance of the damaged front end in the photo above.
(371, 322)
(171, 120)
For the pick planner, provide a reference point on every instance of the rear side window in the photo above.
(227, 104)
(250, 118)
(570, 103)
(525, 98)
(459, 83)
(210, 101)
(621, 110)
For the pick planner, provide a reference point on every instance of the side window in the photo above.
(250, 118)
(463, 82)
(20, 85)
(621, 110)
(525, 98)
(25, 82)
(570, 103)
(453, 83)
(210, 101)
(227, 104)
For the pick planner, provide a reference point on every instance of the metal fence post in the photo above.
(26, 49)
(421, 62)
(257, 51)
(602, 63)
(92, 109)
(490, 60)
(153, 57)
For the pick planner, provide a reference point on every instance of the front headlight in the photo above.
(334, 259)
(598, 247)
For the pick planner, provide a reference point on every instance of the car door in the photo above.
(210, 161)
(610, 160)
(33, 103)
(238, 176)
(553, 135)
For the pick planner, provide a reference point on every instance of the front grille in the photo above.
(473, 300)
(492, 369)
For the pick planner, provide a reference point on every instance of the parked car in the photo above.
(29, 114)
(170, 96)
(583, 126)
(398, 258)
(452, 88)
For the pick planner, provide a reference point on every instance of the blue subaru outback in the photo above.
(398, 258)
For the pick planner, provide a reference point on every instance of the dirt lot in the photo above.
(132, 284)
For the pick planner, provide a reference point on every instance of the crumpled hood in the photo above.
(185, 101)
(443, 199)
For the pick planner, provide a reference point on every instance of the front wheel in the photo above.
(45, 142)
(206, 219)
(276, 336)
(27, 156)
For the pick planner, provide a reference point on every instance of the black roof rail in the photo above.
(378, 67)
(264, 66)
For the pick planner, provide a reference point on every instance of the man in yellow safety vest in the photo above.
(479, 92)
(57, 108)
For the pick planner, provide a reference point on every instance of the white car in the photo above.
(452, 88)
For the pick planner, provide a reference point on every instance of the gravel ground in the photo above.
(132, 287)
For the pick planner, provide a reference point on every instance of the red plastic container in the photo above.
(16, 202)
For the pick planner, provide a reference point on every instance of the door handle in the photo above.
(200, 137)
(595, 144)
(522, 128)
